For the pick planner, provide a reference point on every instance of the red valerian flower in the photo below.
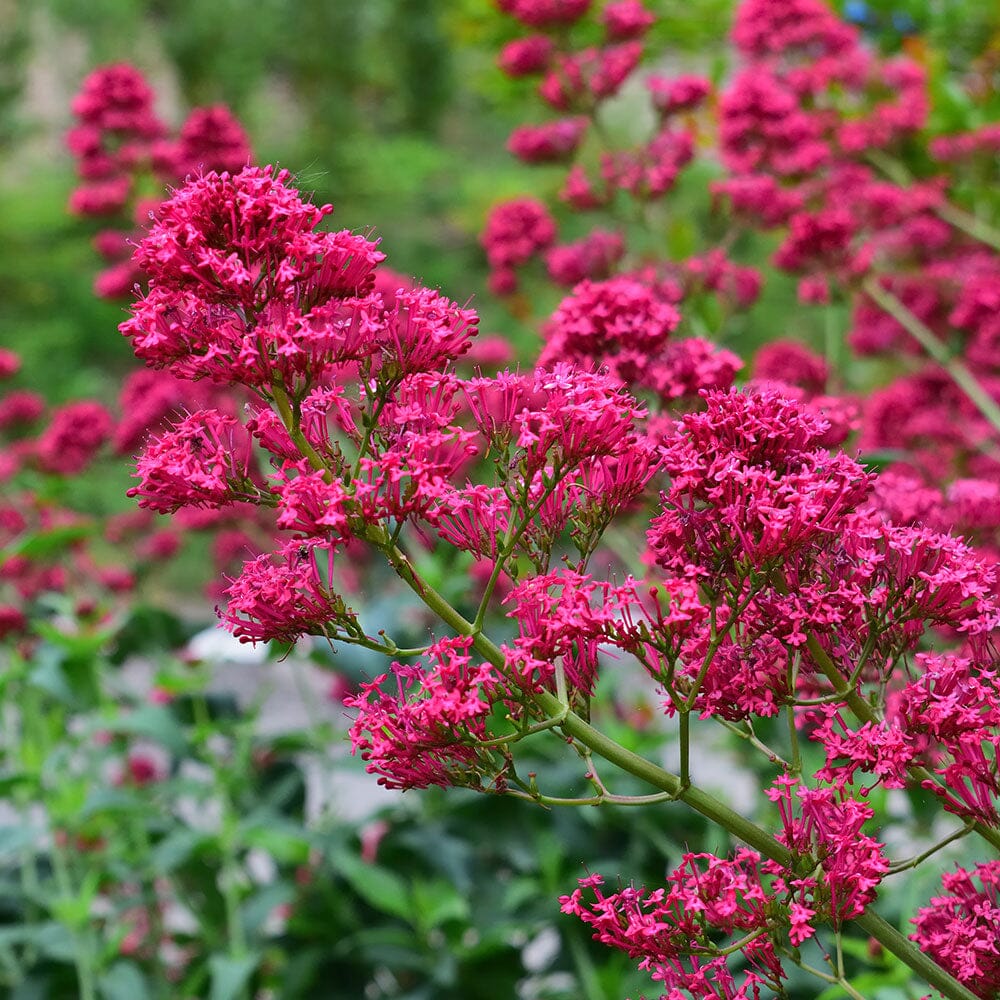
(827, 824)
(425, 733)
(623, 19)
(675, 931)
(73, 437)
(545, 13)
(594, 258)
(288, 599)
(672, 95)
(553, 142)
(619, 323)
(961, 930)
(526, 56)
(203, 461)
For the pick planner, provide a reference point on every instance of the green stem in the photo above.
(632, 763)
(754, 740)
(903, 866)
(512, 536)
(291, 422)
(82, 944)
(684, 733)
(893, 941)
(701, 802)
(574, 726)
(968, 223)
(958, 372)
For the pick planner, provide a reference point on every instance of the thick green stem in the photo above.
(968, 223)
(958, 372)
(891, 939)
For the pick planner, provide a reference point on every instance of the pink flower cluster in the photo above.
(782, 576)
(426, 733)
(119, 142)
(680, 932)
(961, 930)
(46, 545)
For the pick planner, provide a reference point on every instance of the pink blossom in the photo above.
(619, 323)
(763, 128)
(576, 81)
(545, 13)
(73, 437)
(101, 197)
(425, 733)
(287, 599)
(550, 143)
(769, 27)
(623, 19)
(823, 823)
(961, 930)
(202, 461)
(791, 362)
(117, 98)
(671, 95)
(526, 56)
(515, 231)
(10, 363)
(675, 930)
(562, 615)
(210, 139)
(594, 257)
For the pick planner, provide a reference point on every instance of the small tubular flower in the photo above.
(288, 599)
(203, 461)
(425, 733)
(961, 929)
(675, 931)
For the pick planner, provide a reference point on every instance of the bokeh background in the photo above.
(393, 110)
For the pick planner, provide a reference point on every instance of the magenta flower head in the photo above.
(423, 733)
(960, 930)
(545, 13)
(525, 56)
(220, 233)
(621, 323)
(243, 286)
(202, 461)
(553, 142)
(74, 436)
(117, 99)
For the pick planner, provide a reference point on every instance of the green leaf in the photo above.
(16, 838)
(153, 722)
(437, 902)
(261, 905)
(284, 841)
(78, 645)
(175, 849)
(230, 975)
(123, 981)
(48, 675)
(51, 939)
(110, 801)
(41, 544)
(377, 886)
